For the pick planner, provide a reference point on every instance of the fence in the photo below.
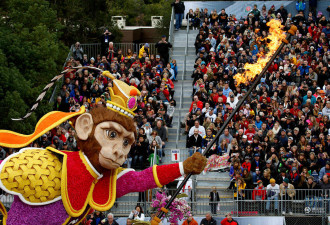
(93, 49)
(304, 204)
(56, 89)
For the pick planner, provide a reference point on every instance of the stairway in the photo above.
(204, 181)
(177, 140)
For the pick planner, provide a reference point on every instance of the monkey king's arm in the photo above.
(157, 176)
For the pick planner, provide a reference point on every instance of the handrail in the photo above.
(51, 100)
(170, 33)
(186, 52)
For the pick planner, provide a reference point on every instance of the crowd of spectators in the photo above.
(152, 74)
(281, 134)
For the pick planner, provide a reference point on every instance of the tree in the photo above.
(30, 55)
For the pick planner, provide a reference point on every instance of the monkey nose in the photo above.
(118, 154)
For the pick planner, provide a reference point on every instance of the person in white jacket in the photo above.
(232, 100)
(137, 214)
(273, 191)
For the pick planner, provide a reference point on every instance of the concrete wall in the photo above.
(140, 35)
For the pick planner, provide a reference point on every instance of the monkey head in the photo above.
(105, 137)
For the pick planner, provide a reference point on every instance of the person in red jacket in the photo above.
(229, 220)
(163, 92)
(247, 163)
(198, 102)
(294, 111)
(259, 192)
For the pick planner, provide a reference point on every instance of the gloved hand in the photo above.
(194, 164)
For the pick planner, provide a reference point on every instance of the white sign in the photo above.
(175, 155)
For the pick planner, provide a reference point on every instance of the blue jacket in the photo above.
(313, 100)
(258, 124)
(300, 5)
(303, 69)
(322, 172)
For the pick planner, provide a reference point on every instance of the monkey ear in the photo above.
(84, 126)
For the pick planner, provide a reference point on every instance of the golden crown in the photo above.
(123, 96)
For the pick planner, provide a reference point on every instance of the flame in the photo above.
(275, 37)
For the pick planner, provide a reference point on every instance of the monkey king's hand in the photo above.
(194, 164)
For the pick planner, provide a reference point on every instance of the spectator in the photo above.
(273, 191)
(214, 199)
(201, 129)
(225, 136)
(190, 221)
(144, 49)
(259, 192)
(256, 166)
(179, 13)
(96, 218)
(163, 49)
(208, 220)
(312, 193)
(287, 193)
(78, 52)
(161, 131)
(228, 220)
(326, 109)
(195, 142)
(137, 214)
(324, 170)
(140, 153)
(249, 184)
(106, 38)
(110, 220)
(239, 192)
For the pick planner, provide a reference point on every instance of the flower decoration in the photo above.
(178, 210)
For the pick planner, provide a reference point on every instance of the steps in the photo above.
(177, 140)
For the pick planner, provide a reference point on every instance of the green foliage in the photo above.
(83, 21)
(30, 55)
(139, 12)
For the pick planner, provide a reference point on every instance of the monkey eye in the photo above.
(111, 134)
(126, 142)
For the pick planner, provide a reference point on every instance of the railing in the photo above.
(93, 49)
(170, 32)
(304, 203)
(300, 202)
(51, 100)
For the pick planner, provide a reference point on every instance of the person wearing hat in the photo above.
(163, 48)
(144, 48)
(282, 175)
(287, 193)
(273, 191)
(259, 194)
(256, 165)
(44, 142)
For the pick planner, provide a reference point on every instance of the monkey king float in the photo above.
(52, 186)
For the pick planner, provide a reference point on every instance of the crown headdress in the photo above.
(123, 96)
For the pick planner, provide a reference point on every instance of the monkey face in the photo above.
(116, 143)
